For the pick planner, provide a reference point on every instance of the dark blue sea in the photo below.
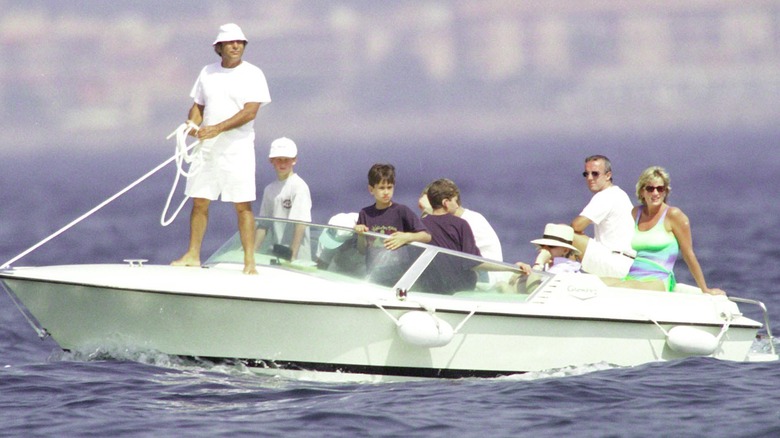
(726, 182)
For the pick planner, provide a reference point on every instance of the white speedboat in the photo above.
(368, 313)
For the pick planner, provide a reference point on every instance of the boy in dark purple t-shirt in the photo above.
(385, 263)
(386, 217)
(448, 273)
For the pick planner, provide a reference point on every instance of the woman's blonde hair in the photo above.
(646, 176)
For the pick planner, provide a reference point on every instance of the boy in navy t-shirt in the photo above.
(387, 217)
(385, 265)
(449, 273)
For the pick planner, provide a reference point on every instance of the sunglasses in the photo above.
(651, 189)
(594, 174)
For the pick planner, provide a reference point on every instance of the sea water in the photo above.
(725, 183)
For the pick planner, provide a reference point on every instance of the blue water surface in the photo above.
(724, 182)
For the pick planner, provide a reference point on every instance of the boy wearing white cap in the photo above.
(227, 96)
(288, 198)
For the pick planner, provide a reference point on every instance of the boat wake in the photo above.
(237, 368)
(568, 371)
(153, 358)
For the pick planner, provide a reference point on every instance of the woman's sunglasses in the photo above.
(651, 189)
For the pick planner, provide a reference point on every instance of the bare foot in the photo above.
(250, 269)
(186, 261)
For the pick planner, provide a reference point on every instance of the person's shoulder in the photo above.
(298, 179)
(369, 209)
(401, 208)
(616, 194)
(475, 216)
(210, 68)
(468, 213)
(451, 219)
(248, 67)
(676, 214)
(614, 190)
(461, 222)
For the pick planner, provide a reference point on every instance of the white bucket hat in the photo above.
(332, 238)
(230, 32)
(283, 147)
(557, 235)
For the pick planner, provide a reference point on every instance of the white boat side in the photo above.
(307, 318)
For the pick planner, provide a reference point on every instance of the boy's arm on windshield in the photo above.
(401, 238)
(300, 230)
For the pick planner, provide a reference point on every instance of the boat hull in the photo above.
(274, 332)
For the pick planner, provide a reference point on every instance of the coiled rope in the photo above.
(183, 155)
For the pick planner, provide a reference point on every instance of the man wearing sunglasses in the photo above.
(609, 252)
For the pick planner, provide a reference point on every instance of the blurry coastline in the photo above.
(102, 75)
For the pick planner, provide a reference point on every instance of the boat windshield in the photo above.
(340, 254)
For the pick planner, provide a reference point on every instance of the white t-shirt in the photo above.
(228, 160)
(225, 91)
(289, 199)
(485, 236)
(610, 212)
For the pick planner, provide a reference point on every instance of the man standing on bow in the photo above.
(227, 95)
(609, 252)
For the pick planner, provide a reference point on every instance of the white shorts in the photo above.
(600, 260)
(226, 171)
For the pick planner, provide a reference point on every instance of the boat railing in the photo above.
(341, 253)
(766, 318)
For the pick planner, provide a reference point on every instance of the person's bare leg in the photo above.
(656, 285)
(199, 219)
(246, 230)
(581, 243)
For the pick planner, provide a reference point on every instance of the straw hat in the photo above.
(557, 235)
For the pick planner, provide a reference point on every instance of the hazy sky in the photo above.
(96, 74)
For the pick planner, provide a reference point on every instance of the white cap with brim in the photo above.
(283, 147)
(230, 32)
(332, 238)
(557, 235)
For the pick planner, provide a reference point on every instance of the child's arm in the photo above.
(298, 234)
(401, 238)
(259, 237)
(361, 242)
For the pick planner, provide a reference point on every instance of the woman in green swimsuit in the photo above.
(662, 233)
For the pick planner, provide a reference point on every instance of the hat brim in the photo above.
(551, 242)
(330, 241)
(225, 41)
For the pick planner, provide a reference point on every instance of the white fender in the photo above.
(424, 329)
(691, 340)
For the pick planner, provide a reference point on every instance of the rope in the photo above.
(42, 333)
(96, 208)
(182, 155)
